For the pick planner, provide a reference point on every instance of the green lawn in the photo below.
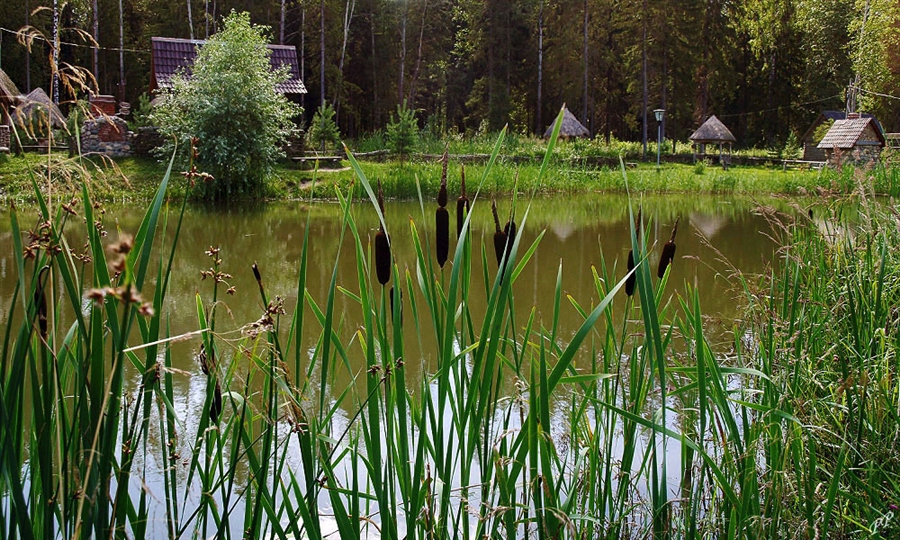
(138, 177)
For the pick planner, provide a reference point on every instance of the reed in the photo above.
(632, 426)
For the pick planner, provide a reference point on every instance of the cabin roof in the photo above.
(172, 54)
(846, 133)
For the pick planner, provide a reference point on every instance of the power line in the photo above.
(42, 38)
(790, 106)
(879, 94)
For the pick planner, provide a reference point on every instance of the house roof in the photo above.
(712, 131)
(571, 127)
(37, 102)
(831, 115)
(171, 54)
(844, 134)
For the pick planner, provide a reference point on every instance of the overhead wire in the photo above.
(83, 45)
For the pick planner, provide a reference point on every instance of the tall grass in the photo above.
(630, 427)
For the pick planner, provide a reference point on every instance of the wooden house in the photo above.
(812, 137)
(169, 55)
(714, 132)
(855, 140)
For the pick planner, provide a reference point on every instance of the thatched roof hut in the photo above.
(8, 97)
(713, 131)
(37, 107)
(571, 127)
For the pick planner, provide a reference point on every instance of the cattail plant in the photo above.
(629, 283)
(499, 235)
(442, 217)
(510, 231)
(668, 253)
(462, 203)
(382, 247)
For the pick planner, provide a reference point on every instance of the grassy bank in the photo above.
(137, 178)
(631, 427)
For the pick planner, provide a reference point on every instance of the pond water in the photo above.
(716, 236)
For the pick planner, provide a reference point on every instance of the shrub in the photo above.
(323, 131)
(401, 131)
(230, 105)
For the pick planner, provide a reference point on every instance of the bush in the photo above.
(230, 105)
(401, 131)
(323, 131)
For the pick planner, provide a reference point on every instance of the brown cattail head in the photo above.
(510, 231)
(499, 236)
(462, 203)
(442, 231)
(382, 247)
(40, 301)
(668, 253)
(442, 193)
(215, 408)
(382, 257)
(632, 279)
(629, 283)
(256, 273)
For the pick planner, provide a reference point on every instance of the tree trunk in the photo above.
(584, 113)
(348, 18)
(190, 19)
(121, 53)
(415, 77)
(540, 74)
(376, 117)
(27, 52)
(644, 82)
(322, 53)
(55, 67)
(303, 50)
(281, 29)
(96, 36)
(403, 18)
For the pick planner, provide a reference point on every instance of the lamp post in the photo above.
(660, 114)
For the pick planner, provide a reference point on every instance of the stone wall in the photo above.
(859, 155)
(4, 137)
(106, 135)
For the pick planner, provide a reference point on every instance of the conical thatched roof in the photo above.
(37, 103)
(571, 127)
(713, 131)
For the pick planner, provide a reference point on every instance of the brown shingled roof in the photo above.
(713, 131)
(171, 54)
(845, 134)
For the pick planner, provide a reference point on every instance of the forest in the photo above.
(765, 67)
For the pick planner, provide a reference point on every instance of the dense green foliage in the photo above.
(402, 131)
(323, 133)
(229, 107)
(765, 67)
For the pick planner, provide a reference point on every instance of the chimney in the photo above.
(852, 115)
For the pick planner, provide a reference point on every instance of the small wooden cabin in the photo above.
(811, 150)
(855, 140)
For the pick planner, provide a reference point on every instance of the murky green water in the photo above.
(715, 237)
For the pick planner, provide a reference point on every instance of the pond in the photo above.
(717, 237)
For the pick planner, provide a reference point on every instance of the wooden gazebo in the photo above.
(571, 127)
(713, 131)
